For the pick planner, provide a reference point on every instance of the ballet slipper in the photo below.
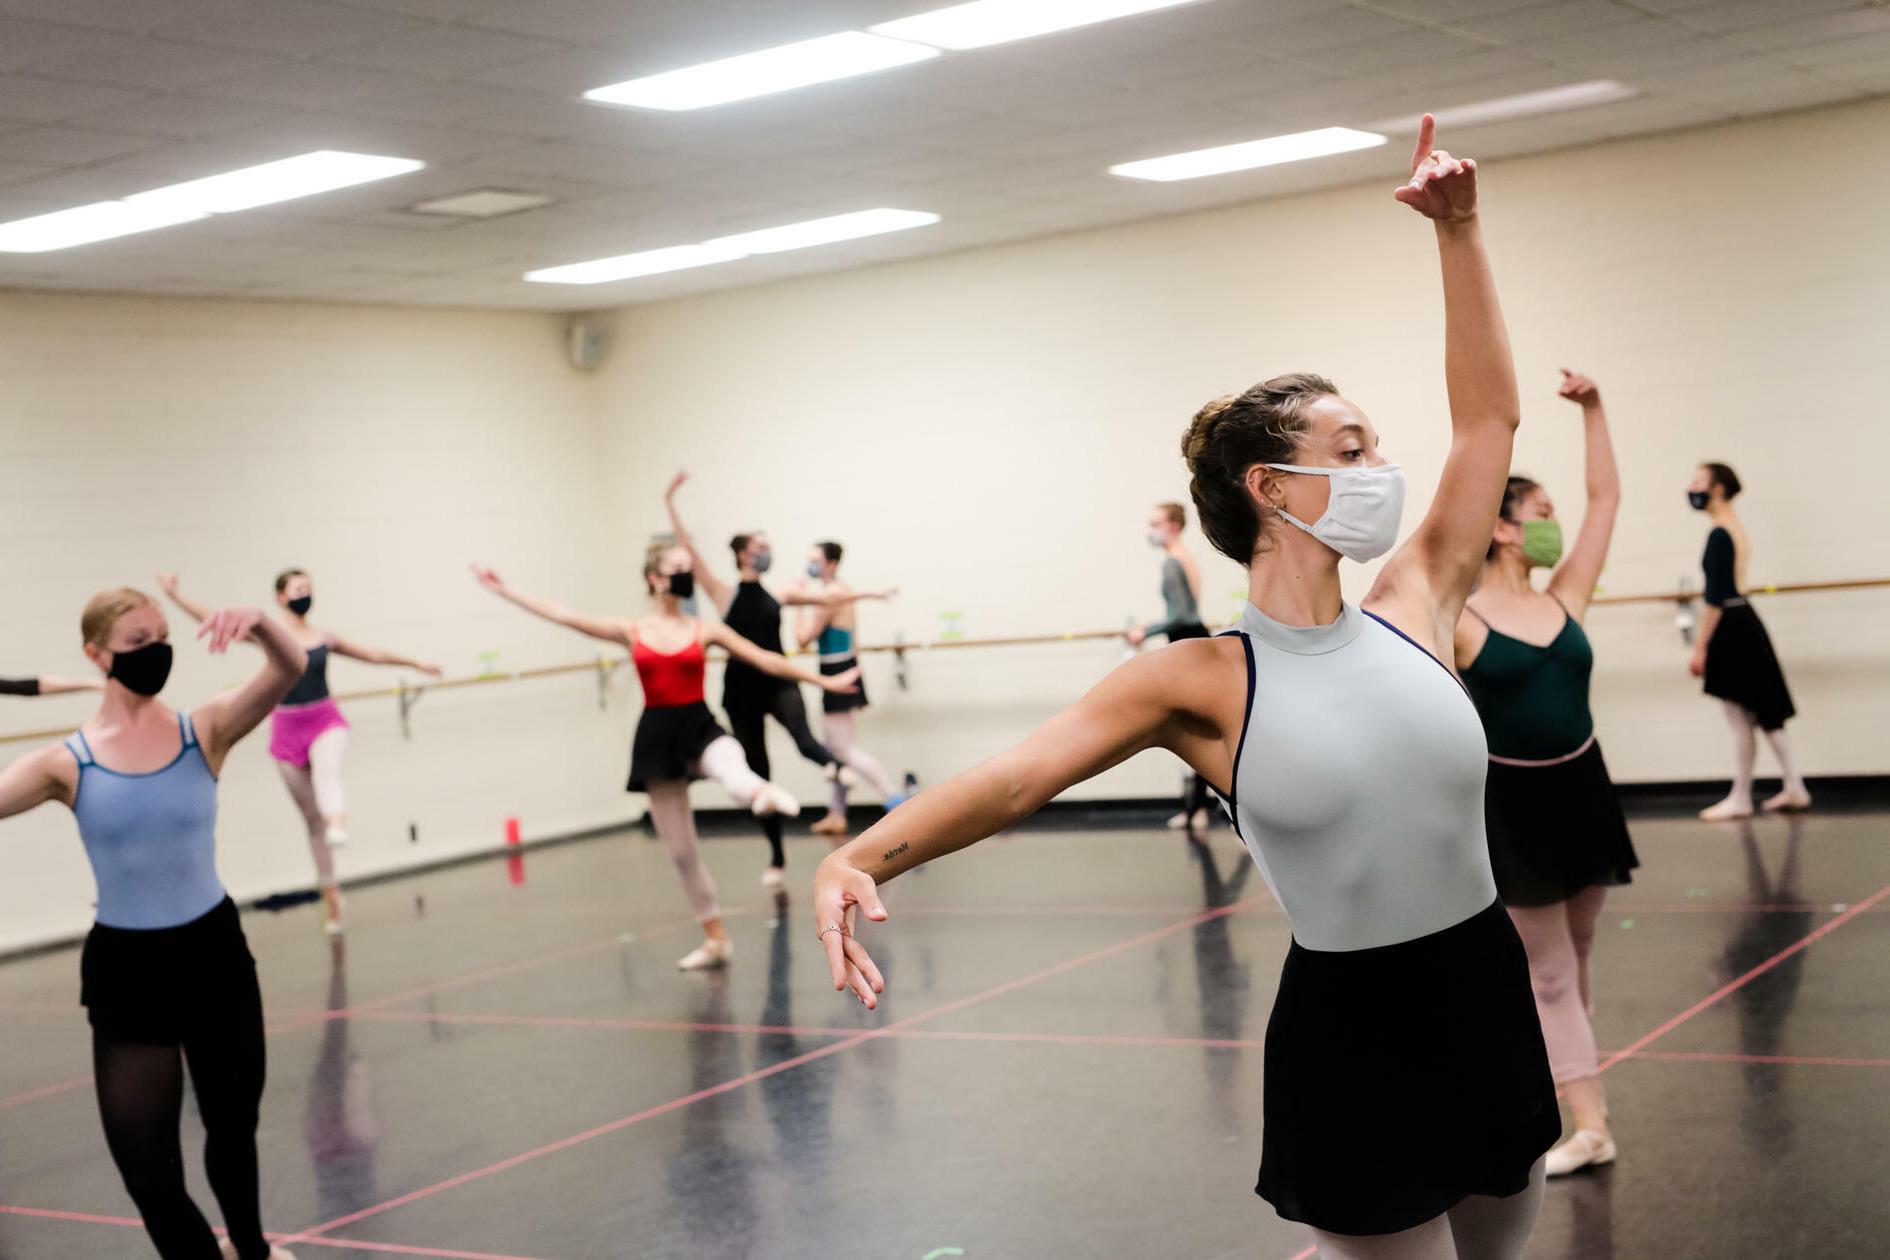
(711, 954)
(1728, 810)
(832, 825)
(228, 1249)
(773, 799)
(1586, 1149)
(1788, 801)
(773, 878)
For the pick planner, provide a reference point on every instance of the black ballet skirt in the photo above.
(1555, 829)
(1742, 667)
(1403, 1078)
(668, 742)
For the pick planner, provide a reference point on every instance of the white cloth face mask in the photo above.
(1363, 513)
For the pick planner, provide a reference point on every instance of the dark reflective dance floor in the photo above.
(1067, 1064)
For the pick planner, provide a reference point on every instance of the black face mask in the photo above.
(143, 670)
(301, 604)
(1697, 499)
(682, 585)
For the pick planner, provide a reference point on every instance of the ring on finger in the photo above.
(836, 927)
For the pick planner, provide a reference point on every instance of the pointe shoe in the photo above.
(1728, 810)
(1586, 1149)
(1178, 823)
(832, 825)
(774, 799)
(1788, 801)
(707, 956)
(773, 878)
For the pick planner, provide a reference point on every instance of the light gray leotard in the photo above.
(1358, 786)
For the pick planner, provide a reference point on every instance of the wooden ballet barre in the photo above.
(408, 694)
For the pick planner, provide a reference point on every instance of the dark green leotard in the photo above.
(1533, 700)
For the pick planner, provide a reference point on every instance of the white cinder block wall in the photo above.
(985, 429)
(381, 449)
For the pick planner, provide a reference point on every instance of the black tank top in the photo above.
(756, 616)
(313, 684)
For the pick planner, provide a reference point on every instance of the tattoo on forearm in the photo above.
(893, 853)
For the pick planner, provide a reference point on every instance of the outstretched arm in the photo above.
(610, 630)
(720, 593)
(1177, 699)
(376, 656)
(773, 662)
(227, 718)
(1430, 577)
(167, 582)
(32, 780)
(54, 685)
(802, 598)
(1575, 579)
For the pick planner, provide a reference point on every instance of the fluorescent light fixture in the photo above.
(1240, 157)
(302, 176)
(81, 225)
(650, 262)
(1525, 105)
(985, 22)
(481, 203)
(244, 189)
(839, 227)
(759, 73)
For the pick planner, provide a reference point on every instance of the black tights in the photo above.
(748, 724)
(1195, 798)
(140, 1098)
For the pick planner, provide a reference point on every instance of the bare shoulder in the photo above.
(1200, 675)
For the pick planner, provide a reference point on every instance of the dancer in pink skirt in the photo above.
(308, 736)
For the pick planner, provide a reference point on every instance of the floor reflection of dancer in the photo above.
(1778, 919)
(340, 1126)
(1220, 978)
(711, 1176)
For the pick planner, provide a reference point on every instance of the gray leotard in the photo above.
(1177, 598)
(1358, 786)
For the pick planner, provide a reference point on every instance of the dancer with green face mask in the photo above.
(1558, 840)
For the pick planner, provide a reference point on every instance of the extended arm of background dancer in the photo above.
(1722, 583)
(199, 613)
(1574, 580)
(225, 719)
(46, 685)
(376, 656)
(609, 629)
(1425, 583)
(798, 596)
(721, 594)
(775, 663)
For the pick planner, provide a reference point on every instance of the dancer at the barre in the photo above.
(1558, 839)
(677, 738)
(45, 685)
(308, 736)
(1181, 619)
(1354, 765)
(166, 975)
(1734, 654)
(827, 623)
(751, 696)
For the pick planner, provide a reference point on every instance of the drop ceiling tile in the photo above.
(561, 71)
(94, 56)
(135, 17)
(1839, 52)
(1783, 37)
(1733, 15)
(186, 116)
(1538, 21)
(309, 85)
(20, 172)
(69, 146)
(53, 100)
(1332, 29)
(445, 52)
(292, 28)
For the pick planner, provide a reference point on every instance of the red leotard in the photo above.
(670, 679)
